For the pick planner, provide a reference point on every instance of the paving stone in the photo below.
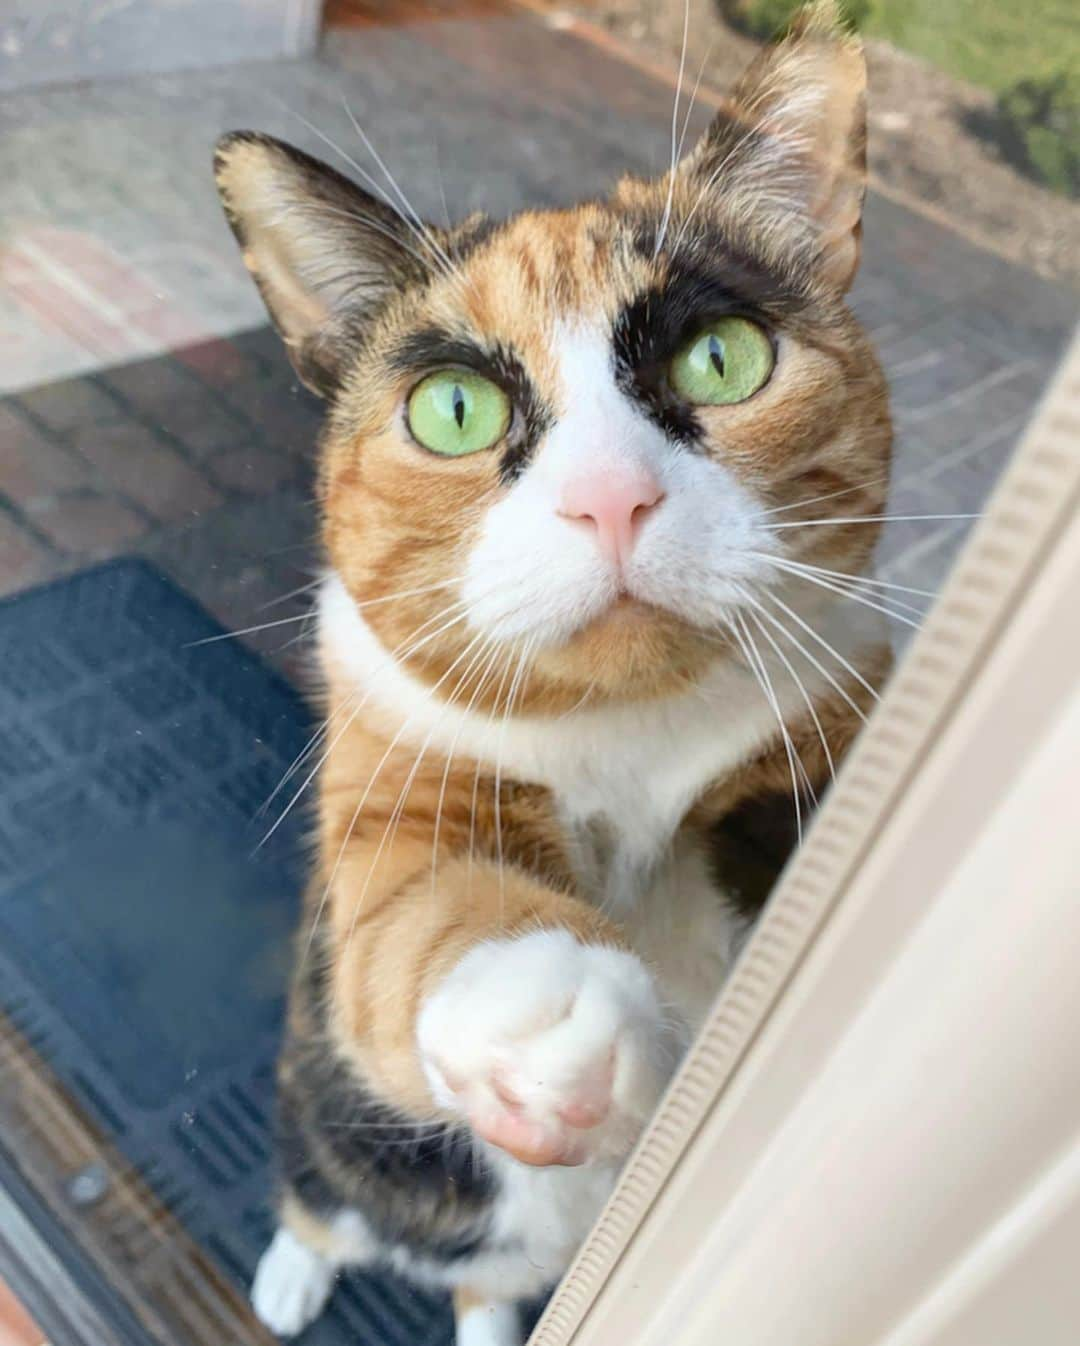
(153, 386)
(281, 414)
(17, 1328)
(33, 464)
(174, 399)
(982, 457)
(251, 470)
(262, 345)
(927, 369)
(91, 527)
(203, 428)
(147, 471)
(218, 363)
(23, 560)
(964, 485)
(888, 309)
(967, 338)
(70, 404)
(241, 560)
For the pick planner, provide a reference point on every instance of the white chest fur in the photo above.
(623, 778)
(639, 767)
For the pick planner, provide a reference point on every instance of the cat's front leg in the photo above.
(555, 1049)
(485, 1322)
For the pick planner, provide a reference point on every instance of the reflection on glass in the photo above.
(660, 520)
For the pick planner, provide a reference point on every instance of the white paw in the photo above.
(292, 1285)
(554, 1050)
(489, 1325)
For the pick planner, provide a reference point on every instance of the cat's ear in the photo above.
(324, 254)
(790, 150)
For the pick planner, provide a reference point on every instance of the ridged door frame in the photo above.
(1008, 559)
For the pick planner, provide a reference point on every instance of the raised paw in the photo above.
(487, 1324)
(292, 1285)
(554, 1050)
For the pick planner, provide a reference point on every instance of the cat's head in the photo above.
(575, 431)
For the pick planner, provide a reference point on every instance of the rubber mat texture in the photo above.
(145, 936)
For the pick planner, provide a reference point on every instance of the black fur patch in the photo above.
(421, 1187)
(748, 847)
(433, 348)
(471, 235)
(372, 243)
(708, 256)
(652, 328)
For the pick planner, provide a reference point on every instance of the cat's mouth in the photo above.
(627, 608)
(627, 604)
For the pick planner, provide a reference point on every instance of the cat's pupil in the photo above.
(458, 401)
(716, 354)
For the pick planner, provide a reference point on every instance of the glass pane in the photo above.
(164, 536)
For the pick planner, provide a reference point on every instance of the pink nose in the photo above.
(615, 504)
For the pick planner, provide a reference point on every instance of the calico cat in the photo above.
(583, 679)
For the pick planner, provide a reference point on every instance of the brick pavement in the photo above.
(199, 455)
(167, 457)
(16, 1326)
(148, 409)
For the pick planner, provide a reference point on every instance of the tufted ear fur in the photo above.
(790, 152)
(324, 254)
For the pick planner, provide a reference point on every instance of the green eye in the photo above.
(454, 413)
(727, 362)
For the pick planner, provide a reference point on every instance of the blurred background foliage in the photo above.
(1026, 52)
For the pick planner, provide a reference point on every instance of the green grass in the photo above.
(1026, 52)
(990, 43)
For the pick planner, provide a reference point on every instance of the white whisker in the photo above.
(852, 587)
(487, 652)
(831, 587)
(442, 185)
(766, 635)
(370, 180)
(491, 722)
(515, 687)
(305, 752)
(757, 667)
(806, 654)
(489, 670)
(662, 231)
(693, 98)
(421, 229)
(395, 816)
(369, 222)
(820, 640)
(789, 563)
(832, 495)
(867, 518)
(419, 1127)
(302, 616)
(246, 631)
(293, 593)
(414, 648)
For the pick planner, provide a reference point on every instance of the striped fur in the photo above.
(551, 795)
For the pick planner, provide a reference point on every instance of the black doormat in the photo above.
(144, 941)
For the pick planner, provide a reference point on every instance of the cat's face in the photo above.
(574, 433)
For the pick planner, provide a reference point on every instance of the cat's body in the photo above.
(614, 786)
(580, 690)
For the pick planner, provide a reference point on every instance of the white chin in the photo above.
(698, 598)
(548, 619)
